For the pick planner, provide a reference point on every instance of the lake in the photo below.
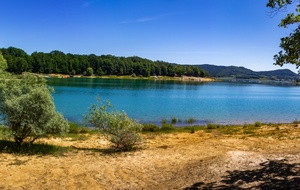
(153, 100)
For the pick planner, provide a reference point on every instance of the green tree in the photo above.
(57, 62)
(290, 53)
(3, 63)
(89, 71)
(179, 70)
(17, 60)
(117, 127)
(100, 72)
(28, 108)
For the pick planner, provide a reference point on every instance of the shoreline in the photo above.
(205, 159)
(182, 78)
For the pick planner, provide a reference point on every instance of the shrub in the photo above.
(173, 120)
(84, 130)
(212, 126)
(150, 127)
(74, 128)
(116, 126)
(296, 121)
(164, 121)
(191, 121)
(246, 125)
(28, 109)
(167, 127)
(257, 124)
(193, 130)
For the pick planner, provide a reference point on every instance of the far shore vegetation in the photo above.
(18, 61)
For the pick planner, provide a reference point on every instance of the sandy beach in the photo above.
(200, 160)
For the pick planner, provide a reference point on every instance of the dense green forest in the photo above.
(58, 62)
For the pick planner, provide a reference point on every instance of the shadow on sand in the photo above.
(273, 174)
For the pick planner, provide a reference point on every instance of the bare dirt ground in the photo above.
(200, 160)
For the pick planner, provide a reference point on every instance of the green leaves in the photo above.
(3, 63)
(290, 19)
(291, 44)
(28, 108)
(279, 3)
(58, 62)
(291, 47)
(117, 127)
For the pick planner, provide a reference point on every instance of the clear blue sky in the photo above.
(220, 32)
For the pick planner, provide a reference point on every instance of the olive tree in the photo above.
(116, 126)
(290, 53)
(28, 109)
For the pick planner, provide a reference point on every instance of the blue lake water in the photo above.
(151, 101)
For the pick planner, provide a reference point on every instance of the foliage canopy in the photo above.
(3, 63)
(58, 62)
(117, 127)
(28, 109)
(290, 53)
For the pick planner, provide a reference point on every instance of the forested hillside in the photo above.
(58, 62)
(244, 73)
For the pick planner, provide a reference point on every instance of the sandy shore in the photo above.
(183, 78)
(201, 160)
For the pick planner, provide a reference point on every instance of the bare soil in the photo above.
(268, 159)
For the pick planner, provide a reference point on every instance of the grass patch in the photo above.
(150, 128)
(224, 130)
(213, 126)
(167, 127)
(31, 149)
(76, 128)
(250, 130)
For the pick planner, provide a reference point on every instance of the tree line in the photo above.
(19, 61)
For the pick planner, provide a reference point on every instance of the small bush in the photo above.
(167, 127)
(74, 128)
(193, 130)
(212, 126)
(190, 121)
(164, 121)
(150, 127)
(84, 130)
(173, 120)
(257, 124)
(117, 127)
(296, 121)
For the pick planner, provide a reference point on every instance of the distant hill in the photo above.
(244, 73)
